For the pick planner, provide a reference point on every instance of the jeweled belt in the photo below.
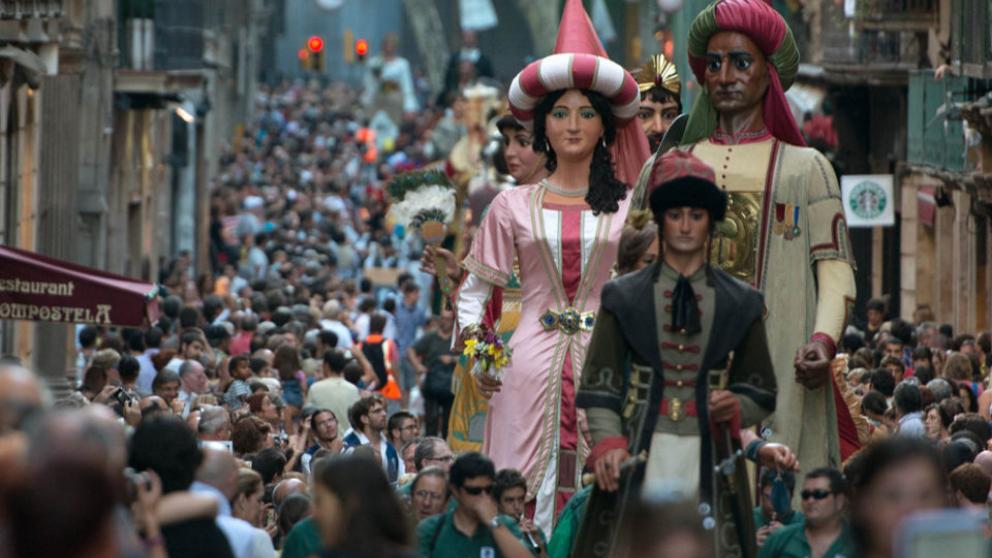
(570, 321)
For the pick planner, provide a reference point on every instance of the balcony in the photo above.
(858, 48)
(971, 50)
(31, 9)
(162, 34)
(179, 38)
(935, 120)
(896, 15)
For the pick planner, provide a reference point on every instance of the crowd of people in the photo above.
(296, 398)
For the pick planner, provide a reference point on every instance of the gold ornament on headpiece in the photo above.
(658, 71)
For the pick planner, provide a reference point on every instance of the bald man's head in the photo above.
(984, 460)
(219, 470)
(287, 488)
(21, 396)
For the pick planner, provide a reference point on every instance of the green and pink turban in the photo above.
(766, 28)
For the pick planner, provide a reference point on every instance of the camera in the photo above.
(134, 482)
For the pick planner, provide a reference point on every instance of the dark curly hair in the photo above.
(605, 190)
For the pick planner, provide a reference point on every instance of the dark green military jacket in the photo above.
(634, 357)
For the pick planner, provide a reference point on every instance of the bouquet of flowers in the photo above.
(490, 353)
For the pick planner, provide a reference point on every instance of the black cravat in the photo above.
(685, 308)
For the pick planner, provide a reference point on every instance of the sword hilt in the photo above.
(627, 465)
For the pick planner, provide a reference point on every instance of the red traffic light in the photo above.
(315, 44)
(361, 47)
(302, 54)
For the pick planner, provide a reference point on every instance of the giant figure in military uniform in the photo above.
(677, 365)
(785, 231)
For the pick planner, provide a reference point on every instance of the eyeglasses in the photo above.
(476, 490)
(442, 459)
(430, 496)
(818, 494)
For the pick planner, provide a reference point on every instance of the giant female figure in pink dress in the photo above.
(564, 231)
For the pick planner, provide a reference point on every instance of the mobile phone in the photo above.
(948, 532)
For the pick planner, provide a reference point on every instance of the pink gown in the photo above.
(566, 255)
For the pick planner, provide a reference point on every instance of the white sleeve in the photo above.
(262, 545)
(410, 103)
(836, 293)
(472, 298)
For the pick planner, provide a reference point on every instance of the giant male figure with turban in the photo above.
(784, 232)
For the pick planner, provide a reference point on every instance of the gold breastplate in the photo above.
(735, 244)
(741, 171)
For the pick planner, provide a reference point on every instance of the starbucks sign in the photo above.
(868, 200)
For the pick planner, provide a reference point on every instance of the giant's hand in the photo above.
(487, 386)
(813, 365)
(723, 406)
(607, 469)
(427, 262)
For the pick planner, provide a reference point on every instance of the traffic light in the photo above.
(315, 48)
(361, 49)
(304, 57)
(315, 44)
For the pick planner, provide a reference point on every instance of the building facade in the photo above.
(112, 117)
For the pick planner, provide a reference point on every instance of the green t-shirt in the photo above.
(302, 540)
(438, 537)
(790, 542)
(563, 537)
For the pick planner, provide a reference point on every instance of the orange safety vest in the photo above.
(391, 389)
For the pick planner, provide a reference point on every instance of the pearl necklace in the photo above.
(555, 189)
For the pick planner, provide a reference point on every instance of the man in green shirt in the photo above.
(775, 503)
(303, 540)
(510, 492)
(473, 529)
(824, 533)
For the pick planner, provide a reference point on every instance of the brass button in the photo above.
(678, 367)
(681, 348)
(679, 384)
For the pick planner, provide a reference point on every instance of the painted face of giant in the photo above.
(736, 72)
(573, 126)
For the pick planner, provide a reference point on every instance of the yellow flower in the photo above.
(469, 347)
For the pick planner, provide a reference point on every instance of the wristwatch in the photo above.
(494, 522)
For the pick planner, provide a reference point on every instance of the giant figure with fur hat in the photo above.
(564, 231)
(677, 365)
(785, 232)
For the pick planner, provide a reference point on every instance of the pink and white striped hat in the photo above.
(579, 62)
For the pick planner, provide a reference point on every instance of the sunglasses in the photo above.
(476, 490)
(818, 494)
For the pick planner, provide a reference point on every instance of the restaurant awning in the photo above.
(39, 288)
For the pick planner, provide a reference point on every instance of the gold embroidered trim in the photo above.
(486, 273)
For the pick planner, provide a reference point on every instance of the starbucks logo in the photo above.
(868, 200)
